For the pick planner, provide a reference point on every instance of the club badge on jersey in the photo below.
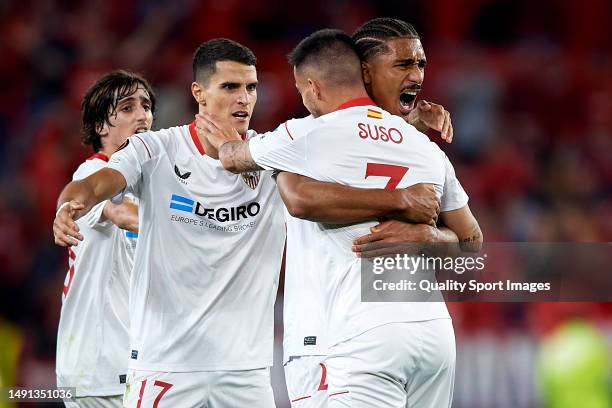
(251, 179)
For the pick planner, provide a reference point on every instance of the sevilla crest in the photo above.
(251, 179)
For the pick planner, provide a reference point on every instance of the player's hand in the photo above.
(214, 130)
(394, 237)
(65, 229)
(427, 115)
(420, 204)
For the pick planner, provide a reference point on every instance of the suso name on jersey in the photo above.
(381, 133)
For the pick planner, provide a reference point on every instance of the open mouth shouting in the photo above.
(407, 99)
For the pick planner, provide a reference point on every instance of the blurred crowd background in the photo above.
(528, 85)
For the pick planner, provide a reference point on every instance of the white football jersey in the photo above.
(93, 338)
(207, 263)
(358, 145)
(303, 315)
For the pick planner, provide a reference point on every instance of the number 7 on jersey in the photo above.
(395, 173)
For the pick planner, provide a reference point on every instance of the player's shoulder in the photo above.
(92, 164)
(288, 131)
(305, 121)
(158, 141)
(296, 127)
(161, 136)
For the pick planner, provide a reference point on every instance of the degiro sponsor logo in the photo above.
(221, 214)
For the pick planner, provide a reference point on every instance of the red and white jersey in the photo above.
(208, 258)
(359, 145)
(92, 338)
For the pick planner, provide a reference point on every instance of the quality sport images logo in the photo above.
(219, 214)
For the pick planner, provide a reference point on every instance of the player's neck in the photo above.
(209, 149)
(108, 150)
(346, 95)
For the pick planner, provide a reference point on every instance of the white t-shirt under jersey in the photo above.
(362, 146)
(208, 258)
(92, 338)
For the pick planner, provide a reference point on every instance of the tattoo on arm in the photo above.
(237, 154)
(473, 242)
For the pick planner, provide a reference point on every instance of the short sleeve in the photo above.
(284, 156)
(130, 159)
(453, 195)
(272, 150)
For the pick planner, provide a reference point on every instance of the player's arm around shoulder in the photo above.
(319, 201)
(79, 197)
(270, 150)
(460, 232)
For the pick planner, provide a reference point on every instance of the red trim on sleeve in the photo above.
(288, 132)
(100, 156)
(365, 101)
(338, 393)
(301, 398)
(196, 140)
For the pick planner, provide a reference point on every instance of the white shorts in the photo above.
(306, 378)
(397, 365)
(200, 389)
(96, 402)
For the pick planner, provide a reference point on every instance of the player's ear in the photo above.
(198, 93)
(315, 88)
(365, 73)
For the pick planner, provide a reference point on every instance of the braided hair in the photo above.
(370, 38)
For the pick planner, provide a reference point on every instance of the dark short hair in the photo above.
(101, 99)
(210, 52)
(370, 38)
(332, 53)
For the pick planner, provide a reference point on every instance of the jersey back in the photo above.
(358, 146)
